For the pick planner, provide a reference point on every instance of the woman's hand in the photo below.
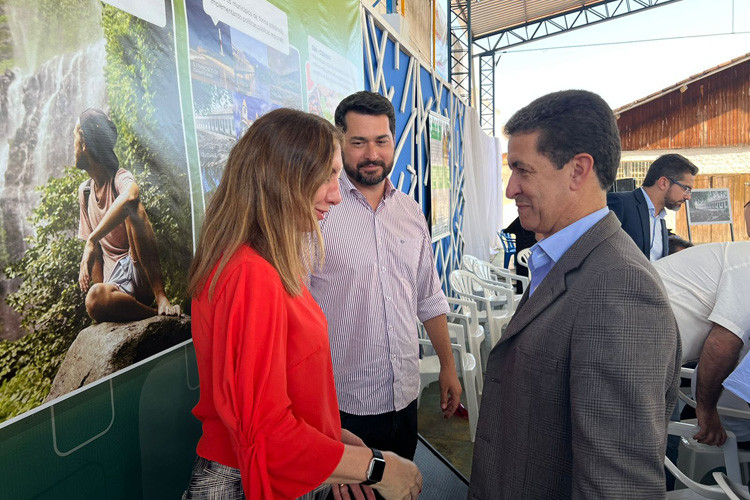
(401, 478)
(349, 491)
(348, 437)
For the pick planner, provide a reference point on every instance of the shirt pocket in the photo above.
(406, 255)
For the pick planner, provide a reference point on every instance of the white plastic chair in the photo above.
(466, 367)
(468, 263)
(522, 258)
(499, 276)
(697, 459)
(467, 315)
(733, 490)
(464, 283)
(729, 450)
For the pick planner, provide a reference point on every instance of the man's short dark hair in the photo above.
(366, 103)
(100, 135)
(671, 166)
(571, 122)
(677, 243)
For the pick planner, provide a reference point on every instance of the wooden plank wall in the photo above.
(712, 112)
(739, 194)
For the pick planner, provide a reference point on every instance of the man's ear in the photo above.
(583, 170)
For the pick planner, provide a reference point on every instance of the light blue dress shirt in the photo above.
(739, 380)
(657, 245)
(545, 253)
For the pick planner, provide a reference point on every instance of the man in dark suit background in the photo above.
(579, 389)
(668, 184)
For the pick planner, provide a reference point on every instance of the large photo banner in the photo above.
(116, 118)
(247, 58)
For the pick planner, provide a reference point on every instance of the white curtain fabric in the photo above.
(483, 190)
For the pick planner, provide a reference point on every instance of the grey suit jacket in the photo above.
(579, 390)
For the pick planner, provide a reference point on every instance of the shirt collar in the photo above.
(348, 187)
(652, 208)
(556, 245)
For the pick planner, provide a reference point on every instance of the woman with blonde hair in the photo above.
(268, 406)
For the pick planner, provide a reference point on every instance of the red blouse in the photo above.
(268, 401)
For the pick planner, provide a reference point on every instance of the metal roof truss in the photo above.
(487, 47)
(459, 41)
(555, 24)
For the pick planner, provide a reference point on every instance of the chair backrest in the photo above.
(496, 275)
(484, 271)
(467, 308)
(508, 241)
(522, 257)
(467, 285)
(467, 262)
(461, 281)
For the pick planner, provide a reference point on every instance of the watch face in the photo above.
(376, 468)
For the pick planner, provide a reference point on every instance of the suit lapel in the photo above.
(645, 221)
(664, 239)
(554, 283)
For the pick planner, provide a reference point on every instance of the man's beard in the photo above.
(674, 205)
(363, 179)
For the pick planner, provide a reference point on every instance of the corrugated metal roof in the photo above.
(491, 16)
(685, 82)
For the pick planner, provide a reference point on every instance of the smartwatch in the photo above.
(376, 468)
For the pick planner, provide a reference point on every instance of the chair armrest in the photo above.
(499, 291)
(732, 489)
(456, 348)
(477, 299)
(731, 458)
(461, 302)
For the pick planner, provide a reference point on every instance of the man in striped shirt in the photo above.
(378, 280)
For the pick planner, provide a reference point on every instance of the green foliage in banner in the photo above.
(143, 101)
(142, 89)
(49, 298)
(51, 28)
(6, 41)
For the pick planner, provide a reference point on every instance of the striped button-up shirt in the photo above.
(378, 279)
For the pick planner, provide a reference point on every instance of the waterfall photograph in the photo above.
(78, 78)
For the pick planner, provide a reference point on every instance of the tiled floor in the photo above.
(449, 437)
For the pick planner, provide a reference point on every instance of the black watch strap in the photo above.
(376, 468)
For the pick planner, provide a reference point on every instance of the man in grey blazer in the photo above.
(667, 185)
(579, 390)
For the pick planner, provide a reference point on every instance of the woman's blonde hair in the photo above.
(265, 199)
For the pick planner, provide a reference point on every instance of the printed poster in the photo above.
(251, 57)
(173, 84)
(440, 175)
(709, 206)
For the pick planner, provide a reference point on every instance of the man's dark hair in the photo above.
(100, 135)
(671, 166)
(572, 122)
(677, 243)
(366, 103)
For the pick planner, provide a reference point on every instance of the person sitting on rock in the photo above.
(120, 271)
